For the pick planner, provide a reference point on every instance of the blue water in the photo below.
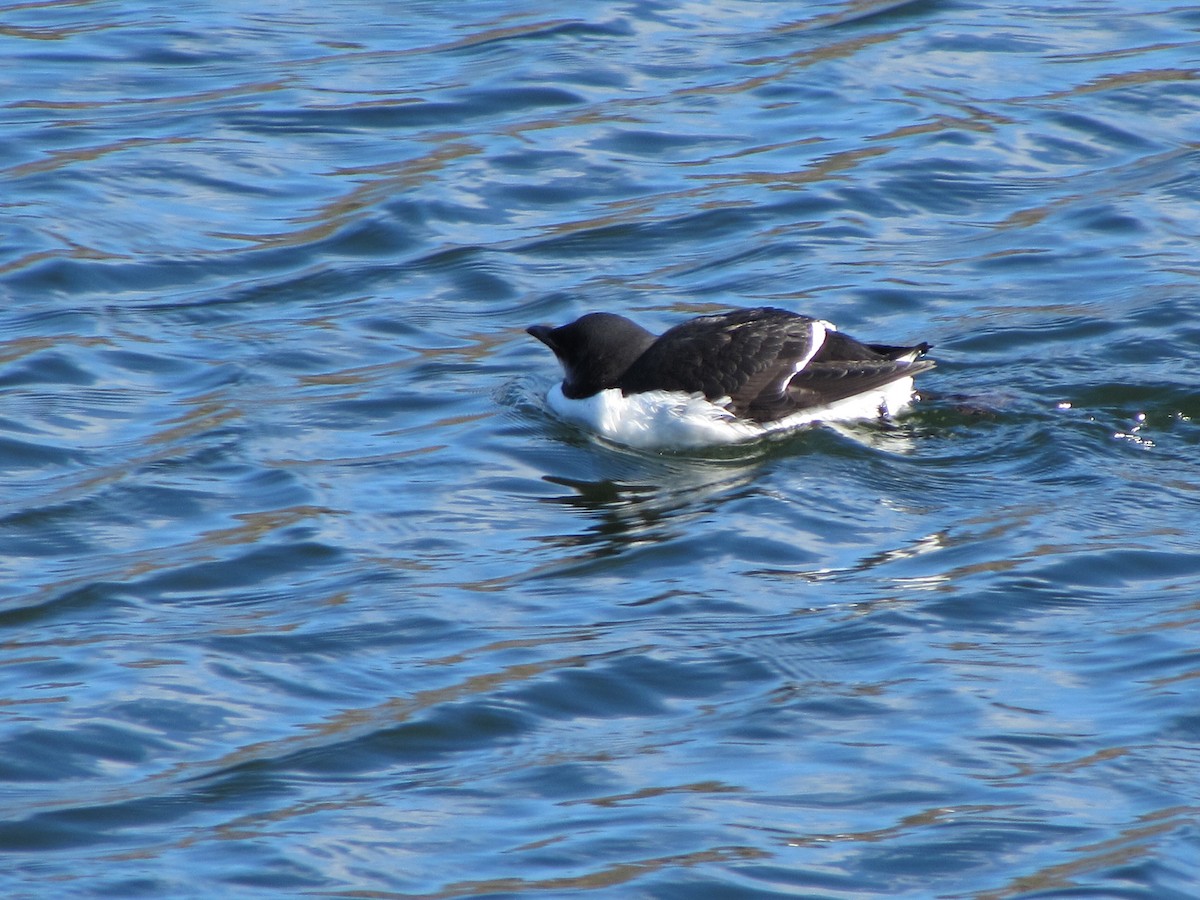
(305, 593)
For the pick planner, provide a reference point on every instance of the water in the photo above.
(306, 593)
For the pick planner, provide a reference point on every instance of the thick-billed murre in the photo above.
(722, 378)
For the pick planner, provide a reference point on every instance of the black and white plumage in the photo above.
(722, 378)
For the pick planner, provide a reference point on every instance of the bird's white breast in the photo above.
(673, 420)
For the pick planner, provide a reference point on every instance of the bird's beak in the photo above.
(542, 333)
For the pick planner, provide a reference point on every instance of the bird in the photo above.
(722, 378)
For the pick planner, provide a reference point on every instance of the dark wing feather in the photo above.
(748, 355)
(828, 382)
(752, 357)
(844, 367)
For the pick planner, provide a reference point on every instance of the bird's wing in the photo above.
(843, 367)
(748, 355)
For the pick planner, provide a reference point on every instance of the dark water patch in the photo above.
(17, 454)
(205, 579)
(868, 14)
(1101, 130)
(46, 366)
(1120, 569)
(65, 603)
(536, 31)
(415, 114)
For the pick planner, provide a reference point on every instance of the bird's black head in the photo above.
(595, 350)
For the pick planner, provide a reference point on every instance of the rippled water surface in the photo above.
(304, 592)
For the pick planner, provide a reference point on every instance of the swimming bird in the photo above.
(723, 378)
